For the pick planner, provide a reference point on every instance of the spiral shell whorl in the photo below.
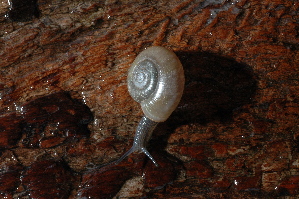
(164, 90)
(144, 78)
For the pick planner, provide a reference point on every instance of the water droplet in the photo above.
(235, 182)
(83, 97)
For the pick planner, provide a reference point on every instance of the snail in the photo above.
(156, 81)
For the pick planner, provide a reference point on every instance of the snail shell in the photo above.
(156, 80)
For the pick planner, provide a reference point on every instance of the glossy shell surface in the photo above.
(156, 80)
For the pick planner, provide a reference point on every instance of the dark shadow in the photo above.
(215, 87)
(23, 10)
(54, 116)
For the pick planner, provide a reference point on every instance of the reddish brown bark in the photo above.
(64, 103)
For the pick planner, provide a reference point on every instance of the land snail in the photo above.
(156, 81)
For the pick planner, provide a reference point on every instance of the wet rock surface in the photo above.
(65, 109)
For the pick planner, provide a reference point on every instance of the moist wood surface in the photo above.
(65, 109)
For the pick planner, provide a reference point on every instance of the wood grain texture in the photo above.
(234, 135)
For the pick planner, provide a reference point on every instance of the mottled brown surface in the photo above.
(234, 135)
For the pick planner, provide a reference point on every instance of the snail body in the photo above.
(156, 81)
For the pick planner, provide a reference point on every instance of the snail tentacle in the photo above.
(143, 133)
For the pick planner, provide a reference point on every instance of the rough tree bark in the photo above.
(65, 109)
